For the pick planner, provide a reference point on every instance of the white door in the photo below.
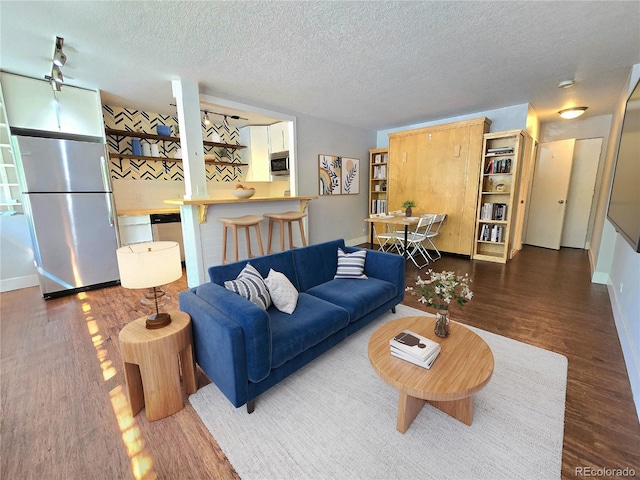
(549, 193)
(586, 158)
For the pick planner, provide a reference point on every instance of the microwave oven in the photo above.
(279, 163)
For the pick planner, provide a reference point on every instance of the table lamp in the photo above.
(150, 265)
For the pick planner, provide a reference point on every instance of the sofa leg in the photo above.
(393, 310)
(251, 405)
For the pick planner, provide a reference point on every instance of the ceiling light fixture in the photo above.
(59, 58)
(207, 120)
(573, 112)
(56, 75)
(225, 122)
(567, 83)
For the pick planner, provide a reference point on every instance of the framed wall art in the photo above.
(338, 175)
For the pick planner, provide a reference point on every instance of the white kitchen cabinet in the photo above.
(32, 104)
(279, 137)
(134, 229)
(256, 155)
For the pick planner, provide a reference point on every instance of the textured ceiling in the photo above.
(374, 65)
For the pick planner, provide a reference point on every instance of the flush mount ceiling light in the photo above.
(573, 112)
(567, 83)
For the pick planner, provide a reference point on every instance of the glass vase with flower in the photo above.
(440, 290)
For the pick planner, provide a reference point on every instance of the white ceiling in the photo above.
(375, 65)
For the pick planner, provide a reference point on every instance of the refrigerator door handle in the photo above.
(107, 197)
(105, 174)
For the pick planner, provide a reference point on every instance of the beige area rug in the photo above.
(336, 419)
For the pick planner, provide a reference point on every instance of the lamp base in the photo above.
(158, 320)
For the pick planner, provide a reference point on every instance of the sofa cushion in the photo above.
(351, 265)
(283, 294)
(316, 264)
(251, 286)
(313, 321)
(280, 262)
(358, 297)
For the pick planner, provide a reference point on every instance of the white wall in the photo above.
(333, 216)
(616, 263)
(514, 117)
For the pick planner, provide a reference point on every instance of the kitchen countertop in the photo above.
(146, 211)
(203, 203)
(214, 201)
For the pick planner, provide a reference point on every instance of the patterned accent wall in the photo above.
(164, 168)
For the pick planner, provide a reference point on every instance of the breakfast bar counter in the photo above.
(203, 232)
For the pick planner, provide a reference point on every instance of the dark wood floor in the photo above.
(64, 412)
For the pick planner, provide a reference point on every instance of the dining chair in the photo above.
(416, 240)
(392, 239)
(438, 220)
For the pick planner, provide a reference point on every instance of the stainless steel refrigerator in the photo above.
(69, 202)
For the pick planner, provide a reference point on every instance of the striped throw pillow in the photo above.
(351, 265)
(250, 285)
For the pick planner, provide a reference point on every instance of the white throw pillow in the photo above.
(351, 265)
(250, 285)
(283, 294)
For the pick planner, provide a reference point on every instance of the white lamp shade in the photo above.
(149, 264)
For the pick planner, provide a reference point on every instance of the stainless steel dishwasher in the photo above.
(167, 227)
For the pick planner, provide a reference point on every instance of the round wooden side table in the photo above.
(151, 367)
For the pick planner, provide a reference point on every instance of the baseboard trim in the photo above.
(631, 357)
(9, 284)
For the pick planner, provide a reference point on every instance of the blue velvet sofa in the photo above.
(246, 350)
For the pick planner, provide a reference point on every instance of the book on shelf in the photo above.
(377, 158)
(409, 345)
(378, 206)
(500, 150)
(379, 171)
(491, 233)
(498, 166)
(493, 211)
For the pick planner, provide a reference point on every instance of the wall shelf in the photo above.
(150, 136)
(165, 159)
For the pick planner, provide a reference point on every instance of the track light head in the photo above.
(59, 58)
(207, 120)
(56, 74)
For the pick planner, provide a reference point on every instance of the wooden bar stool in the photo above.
(281, 219)
(234, 223)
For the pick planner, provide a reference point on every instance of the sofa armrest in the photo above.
(254, 322)
(384, 266)
(219, 347)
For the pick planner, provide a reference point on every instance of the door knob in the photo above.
(560, 201)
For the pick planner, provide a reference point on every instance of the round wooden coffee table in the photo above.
(463, 367)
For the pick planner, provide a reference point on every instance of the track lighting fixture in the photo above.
(59, 58)
(207, 120)
(225, 122)
(56, 74)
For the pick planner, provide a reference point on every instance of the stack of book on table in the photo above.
(414, 348)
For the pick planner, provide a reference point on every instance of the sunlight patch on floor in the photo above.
(141, 460)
